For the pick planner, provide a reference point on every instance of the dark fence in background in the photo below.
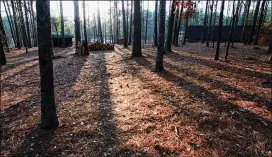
(195, 32)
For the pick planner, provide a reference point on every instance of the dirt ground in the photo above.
(112, 105)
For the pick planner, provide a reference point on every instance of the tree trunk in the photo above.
(124, 25)
(260, 23)
(137, 47)
(237, 15)
(23, 25)
(185, 31)
(232, 27)
(179, 25)
(130, 28)
(111, 36)
(34, 26)
(270, 48)
(160, 48)
(214, 20)
(48, 108)
(170, 28)
(127, 20)
(27, 26)
(18, 44)
(156, 24)
(2, 36)
(245, 21)
(62, 25)
(9, 21)
(204, 24)
(210, 25)
(176, 26)
(219, 31)
(146, 21)
(254, 21)
(116, 24)
(77, 23)
(86, 52)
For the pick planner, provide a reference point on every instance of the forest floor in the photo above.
(112, 105)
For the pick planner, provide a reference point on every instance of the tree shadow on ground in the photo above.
(247, 128)
(37, 141)
(217, 83)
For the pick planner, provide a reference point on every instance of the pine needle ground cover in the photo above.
(112, 105)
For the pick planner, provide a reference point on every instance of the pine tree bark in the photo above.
(34, 26)
(160, 48)
(111, 35)
(156, 24)
(214, 20)
(9, 21)
(245, 24)
(48, 108)
(86, 52)
(77, 23)
(170, 28)
(131, 21)
(146, 21)
(99, 25)
(18, 44)
(205, 22)
(179, 25)
(219, 31)
(176, 26)
(210, 25)
(22, 25)
(260, 23)
(185, 32)
(62, 25)
(27, 26)
(124, 25)
(254, 21)
(232, 27)
(137, 47)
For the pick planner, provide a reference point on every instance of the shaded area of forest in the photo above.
(112, 105)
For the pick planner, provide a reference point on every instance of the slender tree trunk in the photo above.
(210, 25)
(156, 24)
(86, 52)
(179, 25)
(9, 21)
(176, 26)
(237, 15)
(62, 25)
(124, 25)
(160, 48)
(205, 22)
(137, 47)
(22, 25)
(127, 21)
(95, 28)
(232, 27)
(270, 48)
(254, 21)
(116, 24)
(219, 31)
(18, 44)
(170, 28)
(245, 21)
(99, 25)
(48, 108)
(214, 20)
(27, 26)
(185, 31)
(131, 21)
(146, 21)
(111, 36)
(35, 36)
(3, 60)
(260, 23)
(77, 23)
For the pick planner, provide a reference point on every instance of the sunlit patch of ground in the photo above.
(112, 105)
